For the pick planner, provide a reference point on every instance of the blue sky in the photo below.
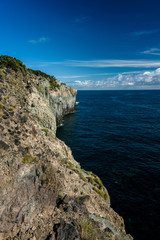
(98, 44)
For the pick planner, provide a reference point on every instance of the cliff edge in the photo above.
(44, 193)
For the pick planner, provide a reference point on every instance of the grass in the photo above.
(64, 161)
(61, 194)
(86, 229)
(10, 108)
(28, 158)
(90, 231)
(91, 180)
(98, 181)
(46, 130)
(94, 179)
(104, 195)
(74, 168)
(5, 97)
(1, 104)
(91, 177)
(1, 114)
(12, 81)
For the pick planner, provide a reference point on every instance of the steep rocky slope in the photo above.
(44, 194)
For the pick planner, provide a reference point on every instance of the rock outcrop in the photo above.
(44, 193)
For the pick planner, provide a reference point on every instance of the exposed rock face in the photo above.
(47, 106)
(44, 194)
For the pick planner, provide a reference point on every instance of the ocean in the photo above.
(116, 134)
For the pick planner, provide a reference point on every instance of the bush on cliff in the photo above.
(13, 63)
(16, 65)
(52, 80)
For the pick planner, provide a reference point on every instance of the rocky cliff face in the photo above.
(44, 194)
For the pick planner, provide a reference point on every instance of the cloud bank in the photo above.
(109, 63)
(145, 80)
(152, 51)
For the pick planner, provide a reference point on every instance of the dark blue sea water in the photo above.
(116, 134)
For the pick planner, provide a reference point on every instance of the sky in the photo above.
(89, 45)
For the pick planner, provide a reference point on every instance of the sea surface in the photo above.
(116, 134)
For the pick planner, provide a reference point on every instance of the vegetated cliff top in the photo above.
(13, 63)
(16, 65)
(44, 192)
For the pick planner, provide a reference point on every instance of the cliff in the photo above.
(44, 193)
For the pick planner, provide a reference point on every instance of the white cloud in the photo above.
(83, 83)
(152, 51)
(40, 40)
(109, 63)
(94, 74)
(72, 76)
(114, 63)
(144, 80)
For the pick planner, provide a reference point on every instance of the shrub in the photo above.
(86, 229)
(90, 231)
(52, 80)
(13, 63)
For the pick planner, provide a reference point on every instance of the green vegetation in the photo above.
(40, 90)
(101, 193)
(82, 177)
(1, 105)
(48, 179)
(1, 109)
(5, 97)
(64, 161)
(74, 168)
(1, 152)
(61, 194)
(90, 231)
(94, 179)
(46, 130)
(53, 84)
(52, 80)
(10, 108)
(13, 63)
(12, 81)
(98, 181)
(1, 114)
(28, 158)
(91, 178)
(16, 65)
(86, 229)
